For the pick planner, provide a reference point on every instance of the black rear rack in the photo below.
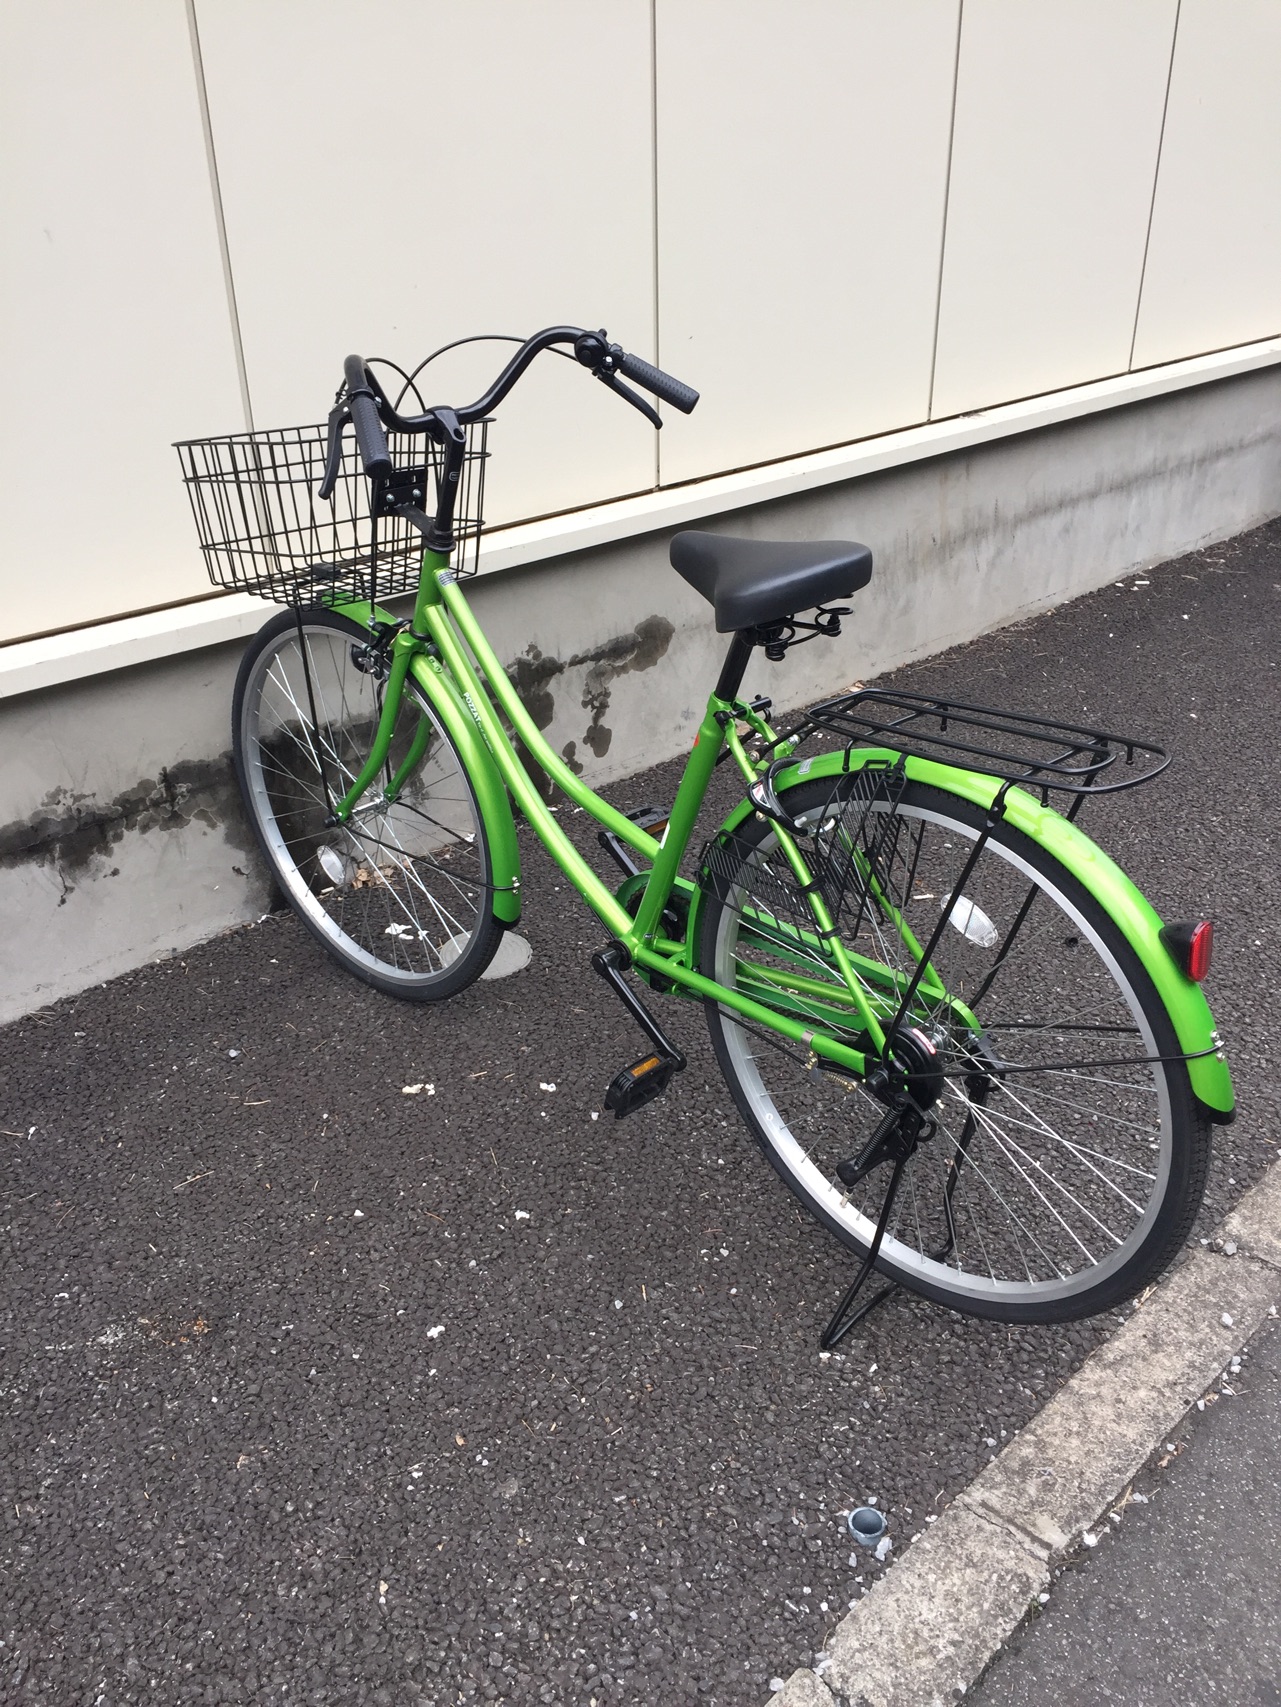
(1034, 751)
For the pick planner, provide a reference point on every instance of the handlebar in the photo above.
(369, 409)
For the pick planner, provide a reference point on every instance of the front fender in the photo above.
(464, 731)
(495, 807)
(1135, 917)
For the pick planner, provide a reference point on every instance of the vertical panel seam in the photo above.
(228, 279)
(947, 197)
(1156, 179)
(653, 168)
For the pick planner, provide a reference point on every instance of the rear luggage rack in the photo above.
(1033, 751)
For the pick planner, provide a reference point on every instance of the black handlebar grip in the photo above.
(364, 418)
(682, 397)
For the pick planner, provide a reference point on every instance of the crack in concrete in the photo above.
(1251, 1254)
(1007, 1524)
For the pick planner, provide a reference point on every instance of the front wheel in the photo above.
(401, 893)
(1059, 1181)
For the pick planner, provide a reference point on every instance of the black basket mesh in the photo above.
(263, 530)
(850, 847)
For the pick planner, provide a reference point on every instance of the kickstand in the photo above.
(844, 1317)
(887, 1141)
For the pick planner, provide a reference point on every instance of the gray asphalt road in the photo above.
(1177, 1602)
(315, 1391)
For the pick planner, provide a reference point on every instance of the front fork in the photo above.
(403, 650)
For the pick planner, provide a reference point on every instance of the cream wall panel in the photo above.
(399, 173)
(1058, 125)
(802, 153)
(115, 323)
(1213, 275)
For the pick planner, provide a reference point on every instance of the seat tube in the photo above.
(735, 666)
(693, 786)
(685, 809)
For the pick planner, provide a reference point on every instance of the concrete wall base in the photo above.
(122, 836)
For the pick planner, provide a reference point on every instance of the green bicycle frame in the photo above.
(450, 660)
(452, 663)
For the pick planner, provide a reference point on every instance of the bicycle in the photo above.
(914, 970)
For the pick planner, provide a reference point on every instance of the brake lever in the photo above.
(338, 419)
(625, 391)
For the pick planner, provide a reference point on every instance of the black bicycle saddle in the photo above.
(751, 582)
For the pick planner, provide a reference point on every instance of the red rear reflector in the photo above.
(1201, 948)
(1191, 946)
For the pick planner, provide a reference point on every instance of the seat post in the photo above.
(735, 666)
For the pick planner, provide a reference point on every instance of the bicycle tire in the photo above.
(401, 895)
(1072, 1188)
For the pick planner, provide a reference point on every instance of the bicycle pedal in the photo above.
(640, 1083)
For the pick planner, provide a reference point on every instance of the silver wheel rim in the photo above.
(1131, 1166)
(402, 892)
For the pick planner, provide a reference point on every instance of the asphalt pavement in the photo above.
(312, 1390)
(1177, 1599)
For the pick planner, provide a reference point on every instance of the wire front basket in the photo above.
(263, 530)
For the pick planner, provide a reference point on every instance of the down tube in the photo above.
(514, 774)
(465, 623)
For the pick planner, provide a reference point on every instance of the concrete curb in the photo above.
(931, 1626)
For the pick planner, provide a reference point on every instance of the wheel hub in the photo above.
(918, 1070)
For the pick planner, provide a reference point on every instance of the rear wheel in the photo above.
(401, 894)
(1044, 1195)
